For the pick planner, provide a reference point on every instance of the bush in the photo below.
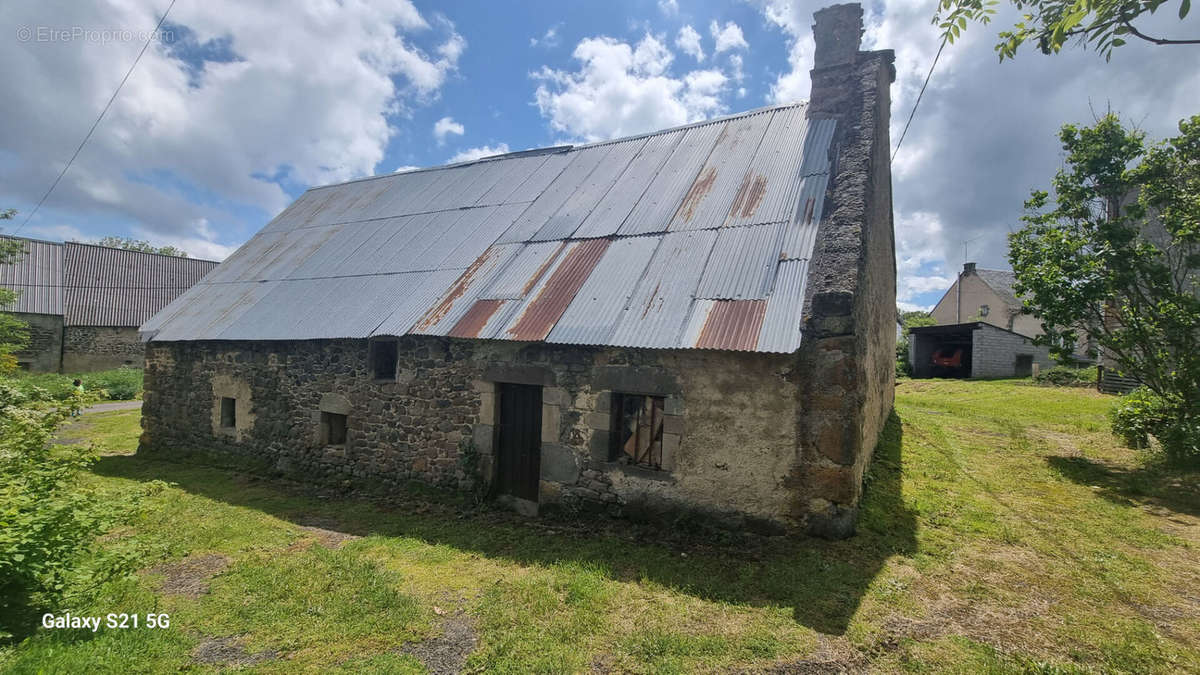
(49, 517)
(1066, 376)
(1175, 423)
(121, 384)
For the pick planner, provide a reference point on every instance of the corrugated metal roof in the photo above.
(105, 286)
(687, 237)
(742, 263)
(37, 276)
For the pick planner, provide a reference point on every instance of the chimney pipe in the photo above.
(838, 34)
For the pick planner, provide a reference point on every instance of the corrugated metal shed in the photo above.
(36, 276)
(694, 237)
(113, 287)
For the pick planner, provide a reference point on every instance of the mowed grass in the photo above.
(1004, 530)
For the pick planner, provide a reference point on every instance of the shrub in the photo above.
(49, 518)
(1175, 423)
(1066, 376)
(121, 384)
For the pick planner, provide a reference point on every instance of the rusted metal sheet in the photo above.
(659, 305)
(473, 322)
(462, 293)
(550, 299)
(498, 219)
(742, 263)
(711, 194)
(524, 272)
(592, 316)
(606, 217)
(582, 202)
(409, 298)
(732, 324)
(662, 197)
(800, 235)
(768, 190)
(781, 329)
(37, 275)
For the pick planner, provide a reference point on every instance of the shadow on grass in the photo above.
(1156, 484)
(823, 582)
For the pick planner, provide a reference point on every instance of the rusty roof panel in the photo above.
(730, 324)
(800, 235)
(206, 310)
(556, 194)
(582, 202)
(455, 301)
(593, 314)
(653, 212)
(37, 275)
(708, 199)
(472, 323)
(524, 272)
(742, 263)
(767, 193)
(498, 219)
(660, 303)
(410, 296)
(606, 217)
(546, 303)
(782, 322)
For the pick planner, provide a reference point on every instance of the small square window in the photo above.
(637, 430)
(333, 429)
(228, 413)
(384, 354)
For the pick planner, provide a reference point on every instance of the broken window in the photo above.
(637, 430)
(384, 354)
(333, 429)
(228, 412)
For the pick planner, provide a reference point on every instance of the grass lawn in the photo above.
(1004, 530)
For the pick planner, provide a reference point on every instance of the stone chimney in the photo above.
(838, 33)
(968, 268)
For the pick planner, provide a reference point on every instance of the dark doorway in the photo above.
(1024, 367)
(520, 440)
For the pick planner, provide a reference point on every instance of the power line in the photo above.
(918, 101)
(149, 39)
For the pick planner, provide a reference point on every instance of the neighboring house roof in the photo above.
(114, 287)
(93, 285)
(37, 277)
(693, 237)
(1002, 282)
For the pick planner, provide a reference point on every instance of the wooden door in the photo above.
(520, 442)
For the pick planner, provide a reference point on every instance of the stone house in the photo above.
(84, 303)
(696, 321)
(986, 296)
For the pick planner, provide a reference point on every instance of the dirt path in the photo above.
(117, 405)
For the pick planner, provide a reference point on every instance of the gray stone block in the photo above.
(559, 464)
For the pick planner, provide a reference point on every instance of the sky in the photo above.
(236, 108)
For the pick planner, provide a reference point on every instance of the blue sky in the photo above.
(238, 107)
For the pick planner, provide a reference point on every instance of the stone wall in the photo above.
(44, 352)
(994, 352)
(730, 426)
(89, 348)
(848, 350)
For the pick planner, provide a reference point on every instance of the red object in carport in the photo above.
(954, 361)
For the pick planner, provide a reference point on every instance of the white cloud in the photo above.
(668, 7)
(727, 37)
(549, 40)
(304, 93)
(688, 42)
(735, 61)
(405, 168)
(471, 154)
(622, 89)
(920, 266)
(55, 232)
(446, 126)
(200, 245)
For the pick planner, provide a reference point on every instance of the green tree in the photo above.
(909, 320)
(1117, 255)
(130, 244)
(14, 333)
(1102, 25)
